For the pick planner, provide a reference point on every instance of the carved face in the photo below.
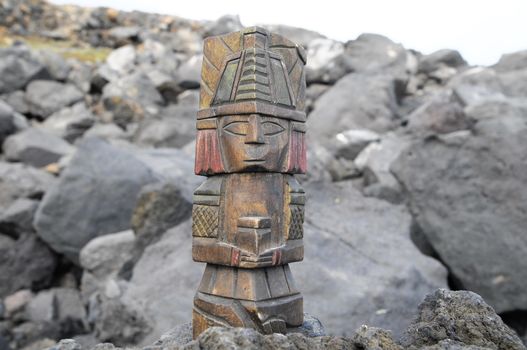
(253, 142)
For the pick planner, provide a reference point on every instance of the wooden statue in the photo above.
(248, 214)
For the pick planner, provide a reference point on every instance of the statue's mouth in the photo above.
(254, 160)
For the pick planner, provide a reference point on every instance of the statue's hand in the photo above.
(270, 257)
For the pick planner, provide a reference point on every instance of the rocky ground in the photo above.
(417, 173)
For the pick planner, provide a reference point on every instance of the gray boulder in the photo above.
(71, 122)
(22, 181)
(467, 194)
(159, 207)
(103, 256)
(7, 121)
(348, 144)
(321, 66)
(36, 147)
(223, 25)
(62, 307)
(375, 160)
(55, 64)
(28, 263)
(439, 59)
(462, 317)
(17, 101)
(512, 61)
(45, 97)
(18, 218)
(441, 114)
(377, 276)
(131, 99)
(95, 195)
(122, 60)
(18, 67)
(175, 128)
(374, 106)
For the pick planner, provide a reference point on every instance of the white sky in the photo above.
(481, 30)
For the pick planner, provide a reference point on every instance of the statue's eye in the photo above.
(237, 128)
(272, 128)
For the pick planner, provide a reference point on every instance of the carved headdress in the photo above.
(250, 72)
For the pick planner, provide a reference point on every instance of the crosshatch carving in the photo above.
(205, 221)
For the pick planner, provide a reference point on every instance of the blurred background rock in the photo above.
(417, 177)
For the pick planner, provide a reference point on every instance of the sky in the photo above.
(480, 30)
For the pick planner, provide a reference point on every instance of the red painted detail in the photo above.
(297, 162)
(277, 257)
(235, 257)
(208, 156)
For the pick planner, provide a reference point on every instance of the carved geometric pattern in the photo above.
(205, 221)
(296, 227)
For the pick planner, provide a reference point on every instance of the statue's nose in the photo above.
(255, 133)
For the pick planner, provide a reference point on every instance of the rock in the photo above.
(461, 316)
(117, 322)
(375, 161)
(29, 263)
(175, 129)
(105, 131)
(492, 108)
(320, 67)
(17, 101)
(18, 67)
(18, 218)
(159, 207)
(514, 83)
(36, 147)
(102, 76)
(166, 84)
(122, 60)
(313, 92)
(188, 75)
(223, 25)
(247, 338)
(441, 114)
(32, 334)
(369, 53)
(168, 303)
(468, 199)
(439, 59)
(343, 169)
(80, 75)
(22, 181)
(372, 338)
(17, 301)
(66, 344)
(7, 121)
(55, 64)
(182, 334)
(350, 143)
(377, 275)
(124, 35)
(374, 106)
(512, 61)
(476, 85)
(95, 195)
(131, 98)
(70, 123)
(103, 256)
(61, 306)
(297, 35)
(45, 97)
(373, 53)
